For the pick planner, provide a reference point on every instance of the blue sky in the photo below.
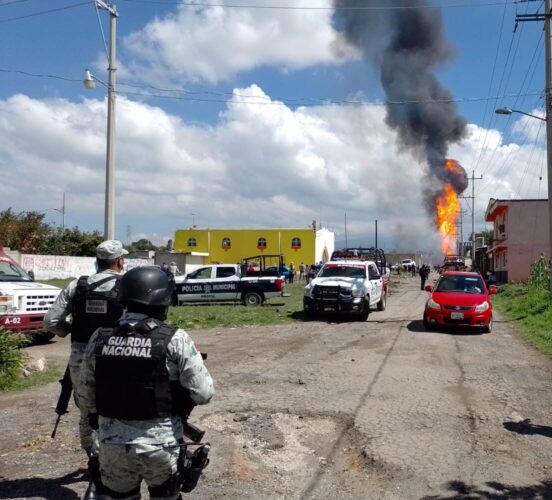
(294, 66)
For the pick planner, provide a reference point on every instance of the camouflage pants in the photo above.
(124, 466)
(88, 436)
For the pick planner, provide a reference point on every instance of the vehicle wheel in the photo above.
(383, 301)
(427, 325)
(310, 313)
(42, 337)
(489, 327)
(363, 315)
(252, 299)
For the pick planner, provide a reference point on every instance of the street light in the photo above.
(90, 83)
(59, 210)
(508, 111)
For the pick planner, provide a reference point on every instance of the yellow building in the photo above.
(231, 245)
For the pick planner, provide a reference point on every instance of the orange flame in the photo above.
(447, 208)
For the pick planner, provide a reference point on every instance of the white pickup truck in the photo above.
(23, 302)
(345, 286)
(226, 282)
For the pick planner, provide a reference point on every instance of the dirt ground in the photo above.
(373, 410)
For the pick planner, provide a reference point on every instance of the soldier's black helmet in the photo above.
(147, 286)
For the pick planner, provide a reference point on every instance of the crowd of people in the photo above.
(306, 272)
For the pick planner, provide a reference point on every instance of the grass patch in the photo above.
(530, 310)
(12, 361)
(52, 374)
(211, 315)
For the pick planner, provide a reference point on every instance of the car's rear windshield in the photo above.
(466, 284)
(10, 271)
(338, 271)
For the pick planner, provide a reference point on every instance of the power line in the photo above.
(97, 9)
(26, 73)
(490, 87)
(12, 2)
(332, 101)
(269, 100)
(295, 7)
(40, 13)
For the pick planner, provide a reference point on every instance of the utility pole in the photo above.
(63, 213)
(376, 233)
(473, 178)
(109, 216)
(346, 243)
(548, 90)
(461, 240)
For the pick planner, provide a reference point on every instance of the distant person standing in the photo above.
(424, 273)
(302, 269)
(291, 272)
(311, 274)
(173, 268)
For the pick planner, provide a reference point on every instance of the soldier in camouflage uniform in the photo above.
(91, 301)
(138, 377)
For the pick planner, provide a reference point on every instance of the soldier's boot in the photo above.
(95, 487)
(91, 493)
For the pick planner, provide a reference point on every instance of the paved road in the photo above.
(380, 409)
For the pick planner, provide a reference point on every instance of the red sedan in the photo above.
(459, 299)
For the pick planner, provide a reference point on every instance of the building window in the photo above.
(261, 244)
(226, 243)
(296, 243)
(192, 242)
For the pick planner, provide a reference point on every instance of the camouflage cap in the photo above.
(110, 250)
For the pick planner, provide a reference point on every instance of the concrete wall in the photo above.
(47, 267)
(520, 258)
(526, 237)
(231, 245)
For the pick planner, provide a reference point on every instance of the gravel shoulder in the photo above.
(378, 409)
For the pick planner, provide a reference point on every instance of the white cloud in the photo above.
(259, 166)
(531, 129)
(215, 43)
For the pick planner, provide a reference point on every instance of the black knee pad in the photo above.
(168, 488)
(116, 494)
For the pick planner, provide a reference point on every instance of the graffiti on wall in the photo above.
(60, 266)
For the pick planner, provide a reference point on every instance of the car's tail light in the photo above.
(280, 284)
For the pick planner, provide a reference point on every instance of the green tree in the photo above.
(22, 231)
(143, 244)
(70, 241)
(488, 236)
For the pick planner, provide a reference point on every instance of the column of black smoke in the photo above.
(407, 44)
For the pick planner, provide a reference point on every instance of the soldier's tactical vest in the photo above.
(132, 381)
(93, 309)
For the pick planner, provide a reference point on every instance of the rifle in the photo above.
(64, 397)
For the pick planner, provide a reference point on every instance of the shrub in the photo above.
(11, 356)
(540, 275)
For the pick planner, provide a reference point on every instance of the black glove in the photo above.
(93, 421)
